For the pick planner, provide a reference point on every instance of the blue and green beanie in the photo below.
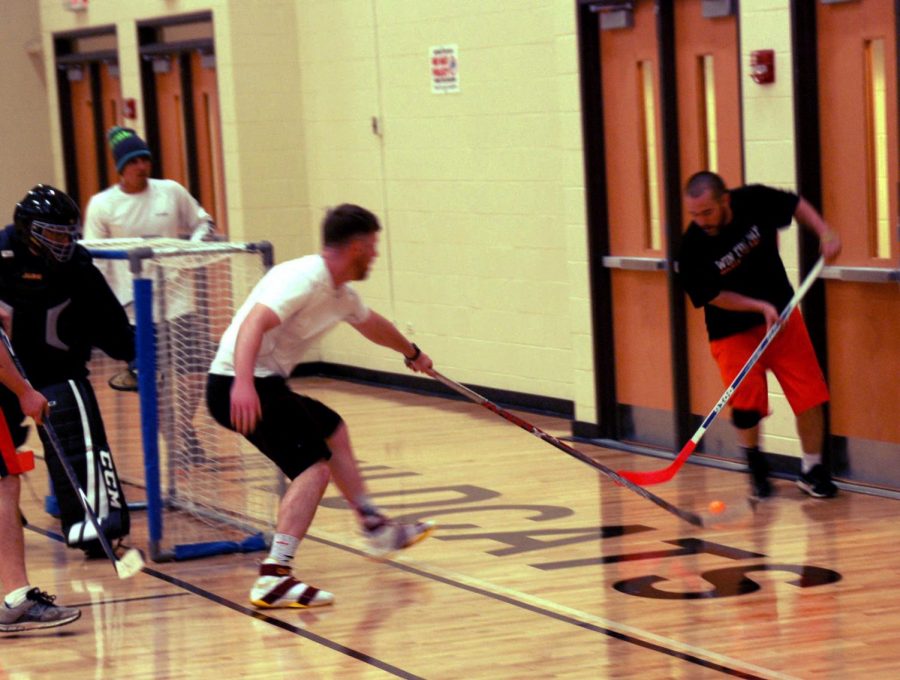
(126, 145)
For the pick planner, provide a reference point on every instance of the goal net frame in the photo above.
(215, 530)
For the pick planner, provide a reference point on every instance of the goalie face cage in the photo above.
(208, 490)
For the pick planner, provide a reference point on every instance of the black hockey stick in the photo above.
(686, 515)
(131, 562)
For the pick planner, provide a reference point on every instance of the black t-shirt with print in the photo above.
(742, 258)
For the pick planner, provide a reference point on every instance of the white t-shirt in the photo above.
(164, 208)
(303, 296)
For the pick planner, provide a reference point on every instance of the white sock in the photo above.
(809, 461)
(16, 597)
(283, 548)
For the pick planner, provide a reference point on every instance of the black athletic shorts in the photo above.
(293, 428)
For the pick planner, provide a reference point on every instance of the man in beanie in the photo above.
(141, 206)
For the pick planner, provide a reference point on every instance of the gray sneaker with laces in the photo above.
(389, 537)
(37, 611)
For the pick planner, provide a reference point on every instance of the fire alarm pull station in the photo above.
(762, 66)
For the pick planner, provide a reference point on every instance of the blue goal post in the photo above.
(208, 491)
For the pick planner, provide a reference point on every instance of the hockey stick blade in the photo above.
(685, 515)
(662, 475)
(131, 563)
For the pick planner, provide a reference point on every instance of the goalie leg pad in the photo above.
(76, 419)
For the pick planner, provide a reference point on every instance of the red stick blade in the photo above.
(662, 475)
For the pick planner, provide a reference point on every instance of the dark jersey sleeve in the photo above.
(696, 270)
(767, 206)
(110, 328)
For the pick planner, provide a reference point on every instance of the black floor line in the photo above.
(400, 673)
(550, 614)
(253, 613)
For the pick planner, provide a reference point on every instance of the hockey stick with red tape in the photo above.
(646, 477)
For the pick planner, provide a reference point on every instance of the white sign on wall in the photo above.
(444, 69)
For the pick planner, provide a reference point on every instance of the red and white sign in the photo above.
(77, 5)
(444, 69)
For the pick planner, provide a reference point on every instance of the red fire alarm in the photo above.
(129, 109)
(762, 66)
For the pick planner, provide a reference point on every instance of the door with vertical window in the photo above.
(706, 72)
(636, 209)
(182, 107)
(857, 65)
(710, 138)
(89, 95)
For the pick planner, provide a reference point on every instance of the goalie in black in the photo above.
(57, 307)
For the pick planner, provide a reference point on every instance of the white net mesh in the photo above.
(215, 487)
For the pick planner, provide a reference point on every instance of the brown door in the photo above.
(190, 136)
(110, 111)
(172, 161)
(857, 61)
(710, 138)
(636, 209)
(209, 138)
(94, 94)
(708, 103)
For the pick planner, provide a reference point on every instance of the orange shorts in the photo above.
(790, 357)
(12, 462)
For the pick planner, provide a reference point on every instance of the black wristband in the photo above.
(416, 354)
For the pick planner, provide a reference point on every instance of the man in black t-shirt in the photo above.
(730, 266)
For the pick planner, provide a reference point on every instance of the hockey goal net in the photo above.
(208, 491)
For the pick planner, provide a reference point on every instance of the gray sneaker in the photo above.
(37, 611)
(390, 536)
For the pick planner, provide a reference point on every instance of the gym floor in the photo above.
(541, 567)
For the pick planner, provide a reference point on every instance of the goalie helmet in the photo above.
(49, 222)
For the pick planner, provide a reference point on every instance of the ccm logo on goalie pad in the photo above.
(110, 479)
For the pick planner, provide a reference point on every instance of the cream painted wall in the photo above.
(769, 153)
(24, 115)
(480, 191)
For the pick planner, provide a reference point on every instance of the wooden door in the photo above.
(710, 138)
(110, 113)
(94, 95)
(189, 128)
(211, 173)
(86, 157)
(172, 161)
(857, 62)
(636, 209)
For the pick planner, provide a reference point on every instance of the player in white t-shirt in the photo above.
(247, 391)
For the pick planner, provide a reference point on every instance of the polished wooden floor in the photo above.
(541, 568)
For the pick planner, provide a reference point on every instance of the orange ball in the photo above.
(716, 507)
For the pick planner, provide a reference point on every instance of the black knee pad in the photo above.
(744, 420)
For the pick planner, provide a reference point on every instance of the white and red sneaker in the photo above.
(276, 587)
